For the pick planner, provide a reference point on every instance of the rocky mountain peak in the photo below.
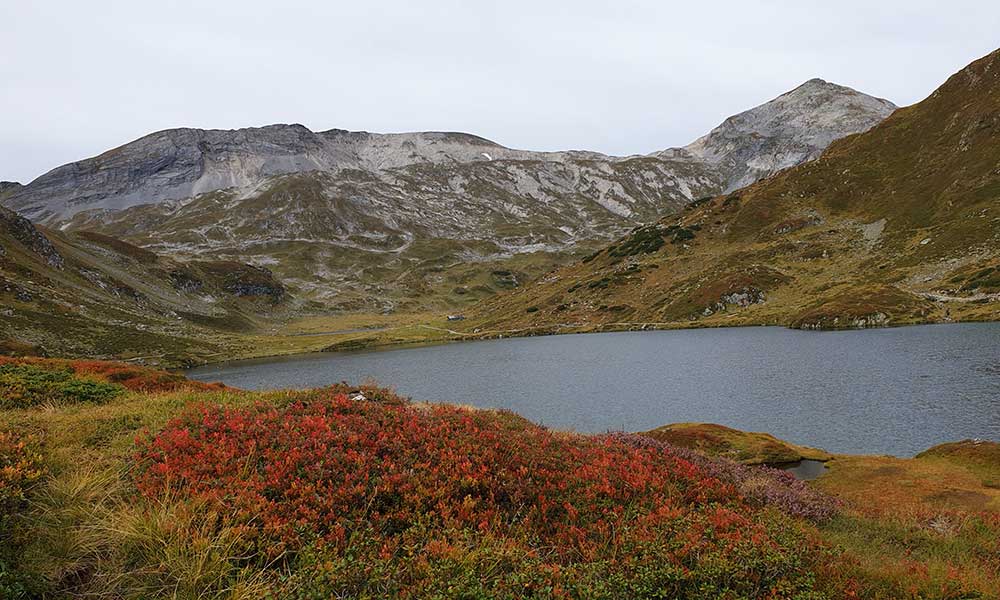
(794, 127)
(818, 83)
(176, 165)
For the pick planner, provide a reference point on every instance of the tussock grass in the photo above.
(93, 540)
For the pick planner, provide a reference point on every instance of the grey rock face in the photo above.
(178, 164)
(789, 130)
(26, 234)
(8, 187)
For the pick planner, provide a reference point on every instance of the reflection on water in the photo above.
(805, 469)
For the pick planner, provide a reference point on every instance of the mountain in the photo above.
(787, 131)
(354, 220)
(900, 224)
(84, 293)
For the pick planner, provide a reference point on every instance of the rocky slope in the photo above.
(85, 293)
(791, 129)
(8, 187)
(397, 221)
(899, 224)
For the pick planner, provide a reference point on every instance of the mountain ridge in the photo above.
(405, 222)
(294, 149)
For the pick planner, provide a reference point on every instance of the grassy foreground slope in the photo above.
(915, 526)
(897, 225)
(124, 482)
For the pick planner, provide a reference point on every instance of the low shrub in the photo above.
(763, 486)
(20, 469)
(374, 499)
(643, 240)
(26, 385)
(135, 378)
(983, 280)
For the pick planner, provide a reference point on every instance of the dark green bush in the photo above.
(644, 240)
(682, 235)
(986, 279)
(649, 239)
(23, 386)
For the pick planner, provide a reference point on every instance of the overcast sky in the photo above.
(616, 76)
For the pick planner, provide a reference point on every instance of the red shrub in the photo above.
(20, 468)
(329, 469)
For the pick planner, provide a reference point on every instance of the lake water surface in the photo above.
(884, 391)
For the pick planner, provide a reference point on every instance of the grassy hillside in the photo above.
(156, 487)
(87, 294)
(897, 225)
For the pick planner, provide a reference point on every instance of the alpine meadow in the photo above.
(242, 359)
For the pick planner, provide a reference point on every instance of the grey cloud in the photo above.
(617, 77)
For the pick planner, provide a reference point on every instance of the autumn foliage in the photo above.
(366, 498)
(20, 470)
(354, 492)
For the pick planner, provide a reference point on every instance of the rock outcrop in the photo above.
(23, 232)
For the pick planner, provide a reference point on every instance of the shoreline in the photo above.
(349, 345)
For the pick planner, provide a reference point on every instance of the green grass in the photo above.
(23, 386)
(979, 456)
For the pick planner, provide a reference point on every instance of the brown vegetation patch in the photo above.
(742, 446)
(966, 499)
(120, 247)
(871, 306)
(741, 288)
